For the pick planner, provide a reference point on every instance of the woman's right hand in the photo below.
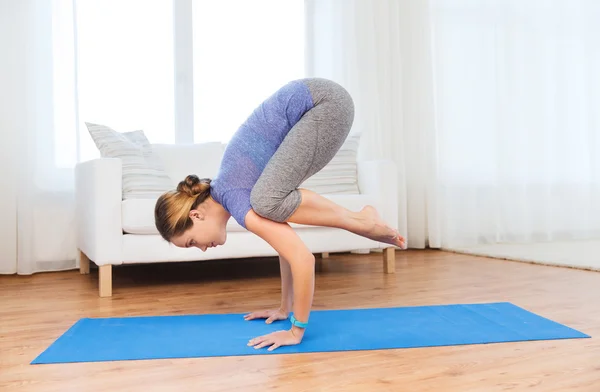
(269, 315)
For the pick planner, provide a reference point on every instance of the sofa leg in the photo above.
(389, 260)
(84, 263)
(105, 280)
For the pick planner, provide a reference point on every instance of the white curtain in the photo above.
(39, 212)
(12, 122)
(380, 51)
(517, 121)
(489, 108)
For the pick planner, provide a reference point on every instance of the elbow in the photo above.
(310, 260)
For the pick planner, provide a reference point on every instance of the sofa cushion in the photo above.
(143, 175)
(180, 160)
(339, 176)
(138, 214)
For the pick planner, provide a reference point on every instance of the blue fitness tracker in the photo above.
(298, 323)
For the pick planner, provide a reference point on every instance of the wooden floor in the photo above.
(35, 310)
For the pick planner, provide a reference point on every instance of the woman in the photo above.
(291, 136)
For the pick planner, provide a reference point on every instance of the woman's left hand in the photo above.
(275, 340)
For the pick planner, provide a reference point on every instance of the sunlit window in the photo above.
(115, 64)
(243, 51)
(125, 67)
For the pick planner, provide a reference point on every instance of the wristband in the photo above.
(298, 323)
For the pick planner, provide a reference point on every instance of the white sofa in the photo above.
(115, 231)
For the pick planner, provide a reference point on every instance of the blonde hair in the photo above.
(171, 213)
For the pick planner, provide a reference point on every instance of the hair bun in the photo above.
(193, 186)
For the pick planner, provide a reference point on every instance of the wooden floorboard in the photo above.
(35, 310)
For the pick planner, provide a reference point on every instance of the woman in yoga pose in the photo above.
(291, 136)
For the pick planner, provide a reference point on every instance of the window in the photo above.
(125, 68)
(163, 65)
(243, 51)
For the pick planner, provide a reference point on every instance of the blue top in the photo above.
(254, 143)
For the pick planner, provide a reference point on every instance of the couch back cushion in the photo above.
(201, 159)
(204, 159)
(151, 169)
(340, 175)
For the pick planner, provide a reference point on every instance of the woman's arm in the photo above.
(287, 299)
(287, 285)
(301, 261)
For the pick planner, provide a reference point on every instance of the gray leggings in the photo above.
(308, 147)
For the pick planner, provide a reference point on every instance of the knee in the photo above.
(309, 261)
(263, 203)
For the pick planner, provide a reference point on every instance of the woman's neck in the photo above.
(216, 210)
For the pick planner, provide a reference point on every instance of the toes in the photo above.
(401, 242)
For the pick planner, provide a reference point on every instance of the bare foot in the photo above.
(373, 227)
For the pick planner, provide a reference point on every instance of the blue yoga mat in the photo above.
(131, 338)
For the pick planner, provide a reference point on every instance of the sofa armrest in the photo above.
(98, 195)
(379, 179)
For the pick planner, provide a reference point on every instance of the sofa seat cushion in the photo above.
(138, 214)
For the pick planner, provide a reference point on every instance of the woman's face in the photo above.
(207, 232)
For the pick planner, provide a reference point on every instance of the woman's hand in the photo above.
(270, 315)
(290, 247)
(276, 339)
